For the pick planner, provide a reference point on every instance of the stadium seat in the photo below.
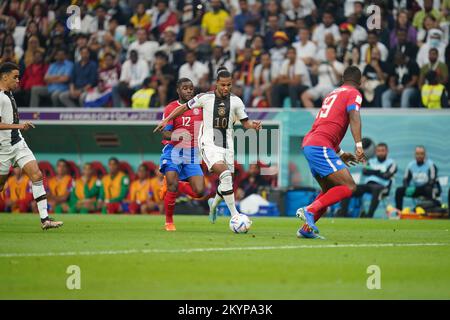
(98, 168)
(74, 170)
(46, 168)
(152, 167)
(127, 169)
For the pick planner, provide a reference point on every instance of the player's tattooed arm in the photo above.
(175, 113)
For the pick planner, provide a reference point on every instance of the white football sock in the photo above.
(226, 189)
(40, 196)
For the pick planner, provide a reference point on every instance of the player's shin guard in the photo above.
(169, 205)
(329, 198)
(185, 187)
(40, 196)
(226, 190)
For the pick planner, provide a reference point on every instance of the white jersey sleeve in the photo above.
(239, 109)
(196, 102)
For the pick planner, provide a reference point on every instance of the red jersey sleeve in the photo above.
(354, 101)
(167, 111)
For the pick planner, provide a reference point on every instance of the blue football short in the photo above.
(323, 161)
(185, 161)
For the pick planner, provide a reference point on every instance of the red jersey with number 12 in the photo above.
(332, 121)
(190, 121)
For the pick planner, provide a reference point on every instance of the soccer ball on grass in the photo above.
(240, 223)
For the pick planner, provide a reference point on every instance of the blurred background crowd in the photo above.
(282, 53)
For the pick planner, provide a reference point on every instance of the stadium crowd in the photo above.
(281, 53)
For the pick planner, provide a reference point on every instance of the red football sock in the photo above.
(320, 212)
(169, 205)
(185, 187)
(330, 197)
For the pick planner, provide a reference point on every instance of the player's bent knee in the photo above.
(172, 186)
(36, 176)
(352, 187)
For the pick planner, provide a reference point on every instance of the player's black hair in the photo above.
(114, 159)
(383, 144)
(222, 72)
(7, 67)
(62, 160)
(353, 74)
(182, 80)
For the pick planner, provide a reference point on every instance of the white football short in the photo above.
(212, 154)
(16, 155)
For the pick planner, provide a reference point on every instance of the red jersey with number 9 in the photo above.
(189, 121)
(332, 121)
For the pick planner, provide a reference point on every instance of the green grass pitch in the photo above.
(132, 257)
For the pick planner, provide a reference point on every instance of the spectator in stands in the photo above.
(164, 72)
(100, 22)
(81, 41)
(357, 32)
(306, 49)
(270, 29)
(292, 80)
(114, 188)
(37, 16)
(434, 40)
(372, 42)
(85, 192)
(134, 71)
(59, 187)
(128, 38)
(140, 198)
(173, 48)
(426, 10)
(156, 184)
(278, 53)
(213, 21)
(402, 83)
(264, 73)
(243, 74)
(429, 23)
(433, 93)
(377, 178)
(190, 17)
(296, 10)
(163, 18)
(57, 80)
(141, 20)
(145, 97)
(108, 78)
(248, 35)
(409, 49)
(329, 74)
(194, 70)
(326, 26)
(234, 37)
(329, 42)
(84, 77)
(9, 42)
(219, 58)
(33, 76)
(18, 195)
(374, 77)
(116, 12)
(243, 17)
(32, 47)
(435, 65)
(32, 30)
(144, 47)
(402, 24)
(344, 46)
(251, 183)
(420, 179)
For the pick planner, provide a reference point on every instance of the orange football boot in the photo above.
(170, 227)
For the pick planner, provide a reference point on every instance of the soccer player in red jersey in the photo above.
(180, 160)
(327, 161)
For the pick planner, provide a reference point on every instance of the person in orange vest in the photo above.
(59, 187)
(18, 195)
(141, 195)
(114, 188)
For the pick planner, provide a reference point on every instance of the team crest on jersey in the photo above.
(196, 111)
(221, 111)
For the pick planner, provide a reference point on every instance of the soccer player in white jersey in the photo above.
(13, 148)
(221, 109)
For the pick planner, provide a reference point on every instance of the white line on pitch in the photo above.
(147, 251)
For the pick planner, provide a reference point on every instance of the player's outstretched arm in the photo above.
(22, 126)
(355, 126)
(175, 113)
